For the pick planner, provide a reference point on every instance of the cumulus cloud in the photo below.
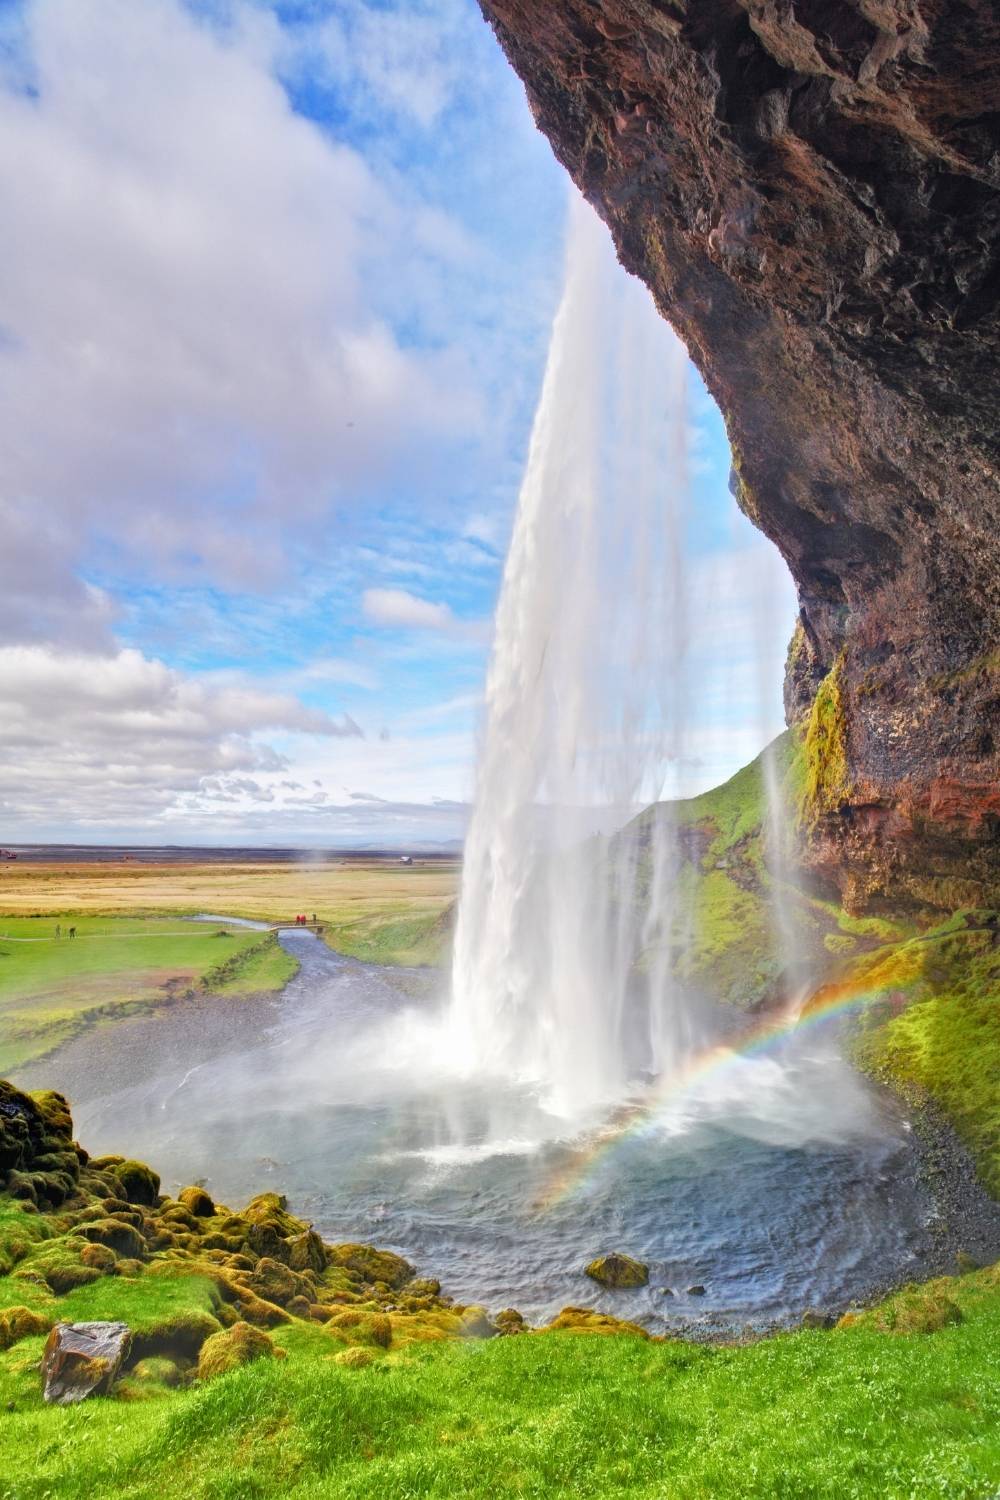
(397, 607)
(184, 297)
(86, 737)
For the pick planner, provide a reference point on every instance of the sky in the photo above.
(276, 283)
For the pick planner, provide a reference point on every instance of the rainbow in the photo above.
(831, 1000)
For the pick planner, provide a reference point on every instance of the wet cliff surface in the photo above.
(809, 188)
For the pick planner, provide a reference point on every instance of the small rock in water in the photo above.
(510, 1321)
(618, 1271)
(696, 1291)
(666, 1291)
(82, 1359)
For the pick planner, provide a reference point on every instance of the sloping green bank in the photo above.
(932, 1026)
(853, 1412)
(266, 1364)
(53, 987)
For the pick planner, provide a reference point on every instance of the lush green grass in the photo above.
(52, 988)
(857, 1412)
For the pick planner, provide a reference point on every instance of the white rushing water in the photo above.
(582, 712)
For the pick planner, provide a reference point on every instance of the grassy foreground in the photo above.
(854, 1412)
(266, 1364)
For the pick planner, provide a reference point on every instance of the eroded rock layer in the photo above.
(809, 188)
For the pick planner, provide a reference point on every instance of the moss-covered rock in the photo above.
(124, 1239)
(510, 1321)
(371, 1264)
(197, 1202)
(140, 1184)
(98, 1257)
(618, 1271)
(231, 1348)
(586, 1320)
(180, 1335)
(18, 1323)
(355, 1358)
(306, 1252)
(474, 1323)
(274, 1281)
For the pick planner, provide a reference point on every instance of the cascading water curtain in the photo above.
(582, 710)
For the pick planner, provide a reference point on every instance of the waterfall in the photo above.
(582, 712)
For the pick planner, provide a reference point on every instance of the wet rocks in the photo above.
(82, 1359)
(697, 1290)
(618, 1271)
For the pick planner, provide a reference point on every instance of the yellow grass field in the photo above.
(129, 956)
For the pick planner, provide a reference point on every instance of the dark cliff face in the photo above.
(809, 188)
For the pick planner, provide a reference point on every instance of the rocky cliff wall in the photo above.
(809, 189)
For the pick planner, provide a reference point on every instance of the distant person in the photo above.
(315, 918)
(58, 930)
(72, 932)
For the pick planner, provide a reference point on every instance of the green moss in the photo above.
(232, 1348)
(371, 1264)
(942, 1035)
(261, 968)
(618, 1271)
(826, 782)
(139, 1183)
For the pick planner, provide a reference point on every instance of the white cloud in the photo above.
(396, 607)
(85, 737)
(185, 301)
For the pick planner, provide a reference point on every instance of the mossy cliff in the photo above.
(811, 193)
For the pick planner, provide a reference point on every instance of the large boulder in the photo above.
(82, 1359)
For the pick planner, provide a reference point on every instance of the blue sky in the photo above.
(273, 317)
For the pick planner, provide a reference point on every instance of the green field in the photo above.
(52, 987)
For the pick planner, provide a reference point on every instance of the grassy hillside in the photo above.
(854, 1412)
